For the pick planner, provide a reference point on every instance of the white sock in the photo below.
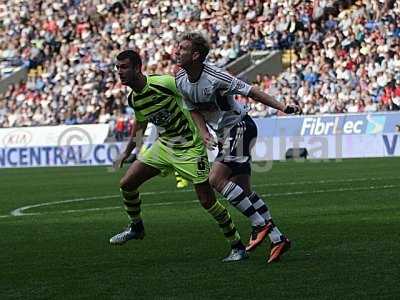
(238, 198)
(262, 208)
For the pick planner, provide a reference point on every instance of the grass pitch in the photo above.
(343, 218)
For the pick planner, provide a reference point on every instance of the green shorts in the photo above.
(191, 163)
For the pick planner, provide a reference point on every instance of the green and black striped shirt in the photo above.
(161, 104)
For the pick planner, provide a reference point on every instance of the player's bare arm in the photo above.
(268, 100)
(136, 140)
(208, 139)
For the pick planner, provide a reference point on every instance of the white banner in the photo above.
(60, 156)
(329, 147)
(61, 135)
(266, 149)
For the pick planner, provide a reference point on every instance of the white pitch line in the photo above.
(19, 212)
(368, 188)
(111, 208)
(325, 181)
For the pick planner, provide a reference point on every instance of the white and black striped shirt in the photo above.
(212, 95)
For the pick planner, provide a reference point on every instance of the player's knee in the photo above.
(206, 200)
(205, 194)
(216, 182)
(122, 183)
(126, 184)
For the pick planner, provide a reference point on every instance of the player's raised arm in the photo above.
(266, 99)
(136, 140)
(230, 85)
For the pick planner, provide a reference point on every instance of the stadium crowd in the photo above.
(345, 59)
(349, 62)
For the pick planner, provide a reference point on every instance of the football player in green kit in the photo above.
(179, 148)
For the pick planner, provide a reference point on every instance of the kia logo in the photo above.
(17, 138)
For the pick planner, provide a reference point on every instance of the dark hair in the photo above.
(133, 57)
(199, 43)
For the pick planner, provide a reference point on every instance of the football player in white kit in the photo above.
(208, 94)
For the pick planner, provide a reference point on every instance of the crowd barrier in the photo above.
(329, 136)
(323, 137)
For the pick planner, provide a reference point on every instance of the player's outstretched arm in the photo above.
(136, 140)
(208, 139)
(266, 99)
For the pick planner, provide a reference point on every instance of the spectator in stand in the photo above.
(120, 125)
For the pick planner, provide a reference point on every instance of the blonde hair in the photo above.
(199, 43)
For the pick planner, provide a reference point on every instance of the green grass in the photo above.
(344, 219)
